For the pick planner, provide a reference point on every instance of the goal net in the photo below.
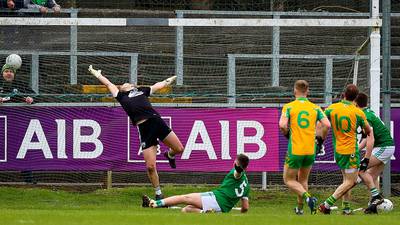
(235, 71)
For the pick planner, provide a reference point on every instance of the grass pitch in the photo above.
(122, 206)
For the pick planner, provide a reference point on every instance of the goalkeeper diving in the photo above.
(134, 100)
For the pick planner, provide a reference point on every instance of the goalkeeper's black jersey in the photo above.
(136, 104)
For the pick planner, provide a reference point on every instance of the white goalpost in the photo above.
(375, 61)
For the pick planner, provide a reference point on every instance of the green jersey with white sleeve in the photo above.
(231, 191)
(381, 132)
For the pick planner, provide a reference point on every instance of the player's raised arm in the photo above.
(110, 86)
(160, 85)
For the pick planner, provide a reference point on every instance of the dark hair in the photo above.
(243, 160)
(351, 92)
(301, 85)
(362, 100)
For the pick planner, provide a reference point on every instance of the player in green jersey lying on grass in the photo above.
(234, 187)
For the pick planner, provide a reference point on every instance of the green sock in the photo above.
(374, 192)
(160, 203)
(330, 201)
(300, 206)
(346, 205)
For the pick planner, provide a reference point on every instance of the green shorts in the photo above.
(348, 161)
(299, 161)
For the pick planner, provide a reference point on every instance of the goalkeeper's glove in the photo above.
(320, 144)
(364, 164)
(170, 80)
(96, 73)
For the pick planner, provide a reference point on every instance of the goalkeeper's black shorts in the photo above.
(152, 130)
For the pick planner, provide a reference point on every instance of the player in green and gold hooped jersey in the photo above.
(345, 118)
(298, 121)
(383, 150)
(234, 187)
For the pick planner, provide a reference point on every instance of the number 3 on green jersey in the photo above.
(241, 188)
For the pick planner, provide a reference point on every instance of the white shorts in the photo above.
(209, 202)
(383, 153)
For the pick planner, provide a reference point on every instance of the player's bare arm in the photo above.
(245, 205)
(283, 124)
(370, 140)
(110, 86)
(325, 123)
(160, 85)
(322, 128)
(367, 129)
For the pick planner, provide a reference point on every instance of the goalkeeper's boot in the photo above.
(323, 209)
(171, 161)
(145, 201)
(159, 197)
(312, 204)
(298, 211)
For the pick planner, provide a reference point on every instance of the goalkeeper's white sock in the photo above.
(158, 190)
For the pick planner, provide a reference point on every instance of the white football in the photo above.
(14, 60)
(386, 205)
